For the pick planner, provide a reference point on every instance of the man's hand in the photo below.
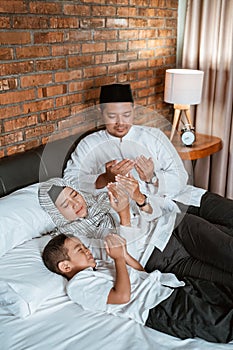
(114, 167)
(144, 167)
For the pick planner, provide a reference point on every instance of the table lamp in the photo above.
(183, 87)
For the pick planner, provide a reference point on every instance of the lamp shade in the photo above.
(183, 86)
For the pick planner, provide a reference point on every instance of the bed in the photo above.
(35, 311)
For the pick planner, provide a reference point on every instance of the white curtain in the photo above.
(208, 46)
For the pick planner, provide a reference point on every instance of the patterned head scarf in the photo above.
(98, 207)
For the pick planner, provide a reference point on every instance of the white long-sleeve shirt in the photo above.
(95, 150)
(90, 288)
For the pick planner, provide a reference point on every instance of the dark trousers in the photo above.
(197, 247)
(199, 309)
(215, 209)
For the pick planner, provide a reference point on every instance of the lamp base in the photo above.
(177, 115)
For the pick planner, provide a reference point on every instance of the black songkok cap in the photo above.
(116, 93)
(54, 192)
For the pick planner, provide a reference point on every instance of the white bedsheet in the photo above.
(62, 325)
(59, 324)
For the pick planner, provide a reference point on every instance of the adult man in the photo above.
(145, 152)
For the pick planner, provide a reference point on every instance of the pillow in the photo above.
(22, 218)
(25, 282)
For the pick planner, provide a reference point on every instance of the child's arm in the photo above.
(120, 293)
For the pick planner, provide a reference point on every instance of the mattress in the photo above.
(59, 324)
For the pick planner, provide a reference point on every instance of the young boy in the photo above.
(114, 282)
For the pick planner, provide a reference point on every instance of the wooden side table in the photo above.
(204, 146)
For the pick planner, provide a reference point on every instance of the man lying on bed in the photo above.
(114, 282)
(92, 216)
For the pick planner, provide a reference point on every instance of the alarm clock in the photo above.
(188, 135)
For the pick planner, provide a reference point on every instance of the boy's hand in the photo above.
(145, 168)
(115, 246)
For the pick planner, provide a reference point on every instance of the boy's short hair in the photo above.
(55, 252)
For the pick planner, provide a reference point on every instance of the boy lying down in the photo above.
(112, 281)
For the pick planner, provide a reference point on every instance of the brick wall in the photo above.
(55, 54)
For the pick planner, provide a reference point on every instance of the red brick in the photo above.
(146, 12)
(20, 123)
(93, 47)
(137, 44)
(139, 3)
(68, 99)
(22, 147)
(165, 51)
(55, 114)
(80, 85)
(145, 74)
(128, 34)
(5, 22)
(33, 107)
(146, 54)
(35, 80)
(6, 53)
(148, 33)
(2, 153)
(93, 72)
(118, 68)
(138, 23)
(119, 2)
(50, 65)
(32, 51)
(48, 37)
(66, 49)
(127, 56)
(52, 91)
(68, 75)
(158, 3)
(80, 61)
(28, 22)
(8, 112)
(90, 23)
(76, 35)
(15, 97)
(77, 10)
(157, 23)
(44, 7)
(8, 84)
(165, 32)
(39, 130)
(12, 38)
(117, 23)
(64, 22)
(13, 6)
(106, 11)
(115, 46)
(16, 68)
(11, 138)
(126, 12)
(105, 58)
(105, 35)
(138, 65)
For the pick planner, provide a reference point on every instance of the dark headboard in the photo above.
(38, 164)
